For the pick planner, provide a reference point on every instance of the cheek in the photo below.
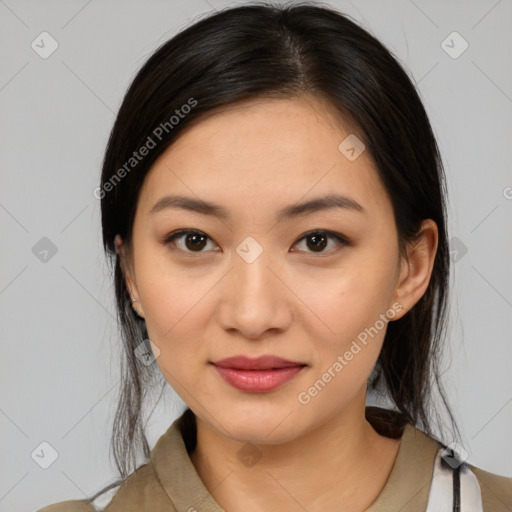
(346, 352)
(347, 300)
(351, 306)
(175, 308)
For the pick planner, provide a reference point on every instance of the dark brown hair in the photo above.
(275, 51)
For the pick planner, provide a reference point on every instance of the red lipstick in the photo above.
(257, 375)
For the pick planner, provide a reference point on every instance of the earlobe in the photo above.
(416, 268)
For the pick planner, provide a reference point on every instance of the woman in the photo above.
(273, 203)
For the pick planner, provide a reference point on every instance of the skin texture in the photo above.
(292, 301)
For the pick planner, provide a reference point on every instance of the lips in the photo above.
(257, 375)
(260, 363)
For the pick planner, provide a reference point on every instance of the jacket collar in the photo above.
(407, 487)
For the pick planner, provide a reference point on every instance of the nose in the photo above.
(254, 299)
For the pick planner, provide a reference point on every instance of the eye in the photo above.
(319, 240)
(188, 240)
(192, 240)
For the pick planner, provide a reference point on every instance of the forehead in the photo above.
(264, 152)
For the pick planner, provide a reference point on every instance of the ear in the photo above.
(416, 268)
(127, 268)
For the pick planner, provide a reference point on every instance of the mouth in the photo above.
(257, 375)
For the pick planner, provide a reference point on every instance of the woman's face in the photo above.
(260, 279)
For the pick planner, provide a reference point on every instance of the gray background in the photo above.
(59, 370)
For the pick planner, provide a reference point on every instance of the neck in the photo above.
(343, 459)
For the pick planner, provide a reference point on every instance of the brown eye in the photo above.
(317, 241)
(188, 240)
(193, 241)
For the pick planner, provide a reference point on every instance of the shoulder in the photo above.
(70, 506)
(151, 486)
(496, 490)
(141, 490)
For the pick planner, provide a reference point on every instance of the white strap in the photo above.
(470, 491)
(440, 498)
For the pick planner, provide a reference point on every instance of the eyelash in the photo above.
(343, 241)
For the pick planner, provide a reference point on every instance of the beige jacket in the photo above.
(170, 483)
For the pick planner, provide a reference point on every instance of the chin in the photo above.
(259, 423)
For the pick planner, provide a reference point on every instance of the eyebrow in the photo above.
(206, 208)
